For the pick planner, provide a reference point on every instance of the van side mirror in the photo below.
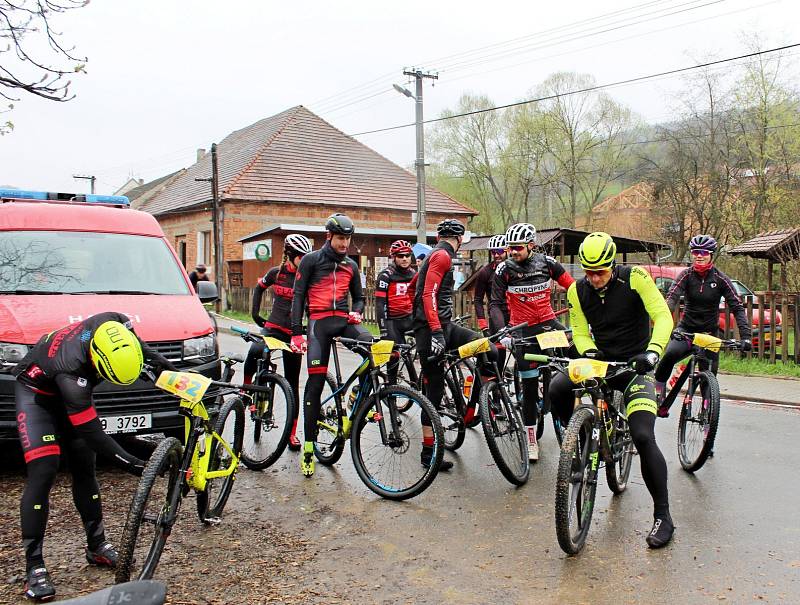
(207, 291)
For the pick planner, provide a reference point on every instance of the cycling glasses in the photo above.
(701, 253)
(596, 272)
(402, 255)
(498, 250)
(518, 247)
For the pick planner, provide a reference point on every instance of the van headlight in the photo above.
(11, 353)
(204, 346)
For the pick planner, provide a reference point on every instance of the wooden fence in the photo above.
(774, 342)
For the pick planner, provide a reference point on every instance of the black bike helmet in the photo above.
(340, 223)
(450, 228)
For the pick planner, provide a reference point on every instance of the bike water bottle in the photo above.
(468, 381)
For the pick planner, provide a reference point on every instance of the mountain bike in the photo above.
(596, 431)
(269, 417)
(385, 445)
(699, 418)
(206, 464)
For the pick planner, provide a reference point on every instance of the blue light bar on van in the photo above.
(21, 194)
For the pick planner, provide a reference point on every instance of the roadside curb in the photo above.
(794, 404)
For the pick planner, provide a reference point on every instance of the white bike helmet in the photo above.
(297, 243)
(521, 233)
(496, 242)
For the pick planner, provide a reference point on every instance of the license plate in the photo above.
(128, 423)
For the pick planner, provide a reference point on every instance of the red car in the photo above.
(665, 276)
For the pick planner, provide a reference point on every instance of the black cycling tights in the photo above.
(35, 503)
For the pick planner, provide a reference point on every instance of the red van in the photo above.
(64, 258)
(665, 276)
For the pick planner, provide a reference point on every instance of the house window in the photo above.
(204, 247)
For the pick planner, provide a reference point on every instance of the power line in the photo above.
(385, 80)
(583, 90)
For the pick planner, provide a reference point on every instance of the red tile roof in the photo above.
(296, 156)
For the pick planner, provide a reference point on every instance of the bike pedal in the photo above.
(213, 520)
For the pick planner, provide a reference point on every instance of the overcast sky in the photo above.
(165, 78)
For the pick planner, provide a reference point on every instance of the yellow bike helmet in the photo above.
(116, 353)
(597, 251)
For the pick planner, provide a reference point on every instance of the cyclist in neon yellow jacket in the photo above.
(610, 312)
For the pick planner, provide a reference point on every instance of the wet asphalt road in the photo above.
(474, 538)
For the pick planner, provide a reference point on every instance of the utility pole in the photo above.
(90, 178)
(419, 76)
(216, 222)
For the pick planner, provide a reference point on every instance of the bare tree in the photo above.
(23, 64)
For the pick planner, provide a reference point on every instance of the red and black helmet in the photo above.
(401, 246)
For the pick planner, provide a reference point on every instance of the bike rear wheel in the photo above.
(393, 469)
(576, 483)
(329, 446)
(230, 426)
(268, 422)
(150, 518)
(698, 422)
(505, 434)
(620, 456)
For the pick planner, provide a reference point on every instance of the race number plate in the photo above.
(706, 341)
(552, 340)
(584, 369)
(186, 385)
(481, 345)
(127, 423)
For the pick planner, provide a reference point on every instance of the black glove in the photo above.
(161, 363)
(746, 345)
(486, 332)
(260, 321)
(438, 344)
(594, 354)
(644, 362)
(384, 335)
(137, 468)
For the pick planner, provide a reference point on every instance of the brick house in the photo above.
(284, 174)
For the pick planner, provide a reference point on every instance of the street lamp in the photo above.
(403, 91)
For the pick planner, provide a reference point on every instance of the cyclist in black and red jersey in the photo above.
(702, 286)
(55, 413)
(392, 303)
(279, 323)
(434, 332)
(525, 282)
(323, 282)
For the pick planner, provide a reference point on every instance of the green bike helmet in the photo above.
(597, 251)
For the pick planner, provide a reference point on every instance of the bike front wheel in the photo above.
(505, 434)
(407, 375)
(576, 482)
(268, 422)
(698, 422)
(621, 450)
(151, 514)
(388, 455)
(230, 426)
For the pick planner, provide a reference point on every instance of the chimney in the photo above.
(200, 154)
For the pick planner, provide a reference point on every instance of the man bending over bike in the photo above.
(323, 281)
(279, 323)
(610, 312)
(54, 410)
(701, 286)
(433, 330)
(524, 281)
(392, 303)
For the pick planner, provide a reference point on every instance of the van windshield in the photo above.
(52, 262)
